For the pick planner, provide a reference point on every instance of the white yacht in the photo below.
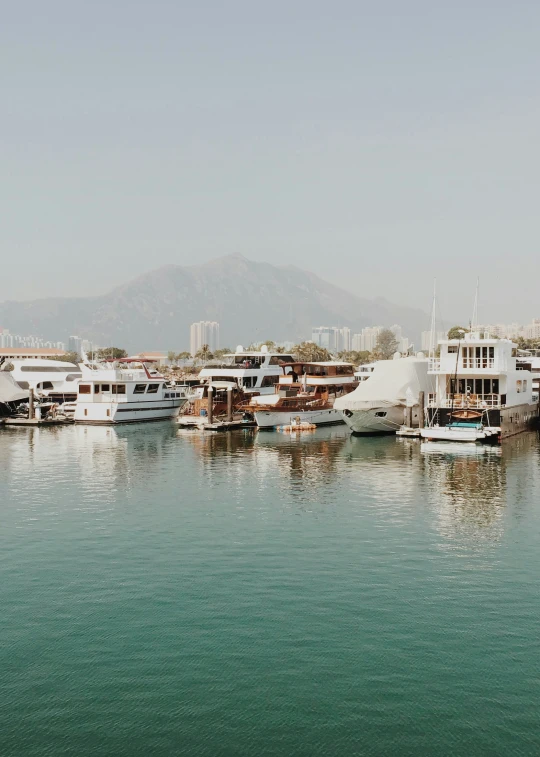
(363, 372)
(54, 379)
(11, 394)
(255, 372)
(481, 392)
(378, 406)
(125, 391)
(531, 359)
(306, 394)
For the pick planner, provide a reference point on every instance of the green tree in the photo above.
(111, 352)
(172, 357)
(385, 346)
(219, 354)
(183, 356)
(204, 353)
(358, 357)
(310, 352)
(68, 357)
(456, 332)
(526, 344)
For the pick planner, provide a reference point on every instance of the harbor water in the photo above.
(168, 592)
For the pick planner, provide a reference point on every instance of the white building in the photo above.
(8, 340)
(366, 341)
(513, 330)
(332, 338)
(204, 332)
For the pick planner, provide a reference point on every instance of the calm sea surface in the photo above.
(175, 593)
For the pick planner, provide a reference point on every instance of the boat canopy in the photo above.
(10, 391)
(388, 384)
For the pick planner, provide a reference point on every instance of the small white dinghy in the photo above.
(461, 432)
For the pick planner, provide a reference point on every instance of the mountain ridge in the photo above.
(252, 301)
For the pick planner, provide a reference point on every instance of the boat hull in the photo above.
(510, 420)
(112, 413)
(273, 419)
(484, 435)
(372, 421)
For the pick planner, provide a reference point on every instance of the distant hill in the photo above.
(252, 302)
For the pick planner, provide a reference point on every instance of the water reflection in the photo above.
(462, 495)
(471, 488)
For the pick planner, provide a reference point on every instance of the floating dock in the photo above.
(36, 421)
(203, 424)
(408, 432)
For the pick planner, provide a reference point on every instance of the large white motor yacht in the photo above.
(54, 379)
(378, 406)
(253, 371)
(482, 393)
(125, 391)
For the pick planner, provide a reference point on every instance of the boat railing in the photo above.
(462, 401)
(448, 365)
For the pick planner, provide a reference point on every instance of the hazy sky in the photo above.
(378, 144)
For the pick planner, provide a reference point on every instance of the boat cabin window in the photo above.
(47, 385)
(275, 360)
(452, 348)
(380, 414)
(46, 368)
(270, 380)
(286, 359)
(139, 389)
(105, 388)
(152, 388)
(118, 388)
(85, 389)
(96, 388)
(73, 376)
(479, 387)
(247, 382)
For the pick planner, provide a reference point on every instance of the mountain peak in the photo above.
(252, 301)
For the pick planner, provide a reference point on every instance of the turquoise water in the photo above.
(175, 593)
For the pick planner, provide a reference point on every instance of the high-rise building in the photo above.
(75, 344)
(332, 338)
(366, 341)
(204, 332)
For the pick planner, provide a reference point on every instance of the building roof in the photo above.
(38, 351)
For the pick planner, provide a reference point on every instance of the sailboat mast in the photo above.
(474, 320)
(432, 336)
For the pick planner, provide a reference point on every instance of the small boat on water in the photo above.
(127, 390)
(482, 393)
(305, 395)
